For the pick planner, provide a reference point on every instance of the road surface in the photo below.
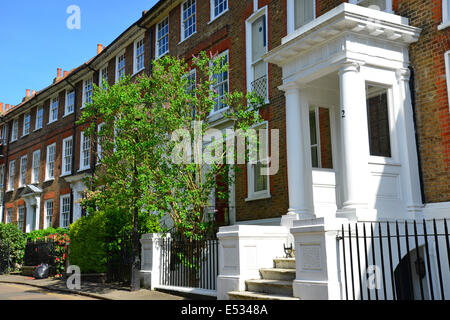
(23, 292)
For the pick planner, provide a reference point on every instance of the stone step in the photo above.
(277, 287)
(284, 263)
(278, 274)
(247, 295)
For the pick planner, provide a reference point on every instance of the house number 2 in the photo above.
(343, 113)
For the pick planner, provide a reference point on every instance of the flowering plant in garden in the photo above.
(62, 242)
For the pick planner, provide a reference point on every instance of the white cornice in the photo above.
(344, 19)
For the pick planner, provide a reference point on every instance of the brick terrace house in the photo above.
(359, 90)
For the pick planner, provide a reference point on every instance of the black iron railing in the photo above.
(190, 262)
(395, 260)
(39, 252)
(119, 253)
(259, 86)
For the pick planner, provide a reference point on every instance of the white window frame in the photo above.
(135, 56)
(46, 210)
(34, 177)
(21, 217)
(69, 108)
(11, 175)
(84, 99)
(157, 39)
(213, 15)
(263, 194)
(182, 22)
(4, 133)
(248, 28)
(290, 6)
(102, 77)
(15, 130)
(62, 221)
(2, 176)
(51, 109)
(23, 171)
(445, 15)
(122, 54)
(26, 128)
(99, 147)
(48, 176)
(388, 4)
(9, 212)
(66, 156)
(83, 151)
(39, 119)
(226, 52)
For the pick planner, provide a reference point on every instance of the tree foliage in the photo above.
(144, 121)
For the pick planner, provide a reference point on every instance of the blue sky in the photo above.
(35, 41)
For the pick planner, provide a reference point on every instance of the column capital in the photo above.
(350, 66)
(289, 87)
(403, 74)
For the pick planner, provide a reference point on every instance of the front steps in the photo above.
(275, 283)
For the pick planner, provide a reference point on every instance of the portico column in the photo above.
(354, 141)
(298, 155)
(405, 127)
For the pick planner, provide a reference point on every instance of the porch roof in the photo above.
(346, 18)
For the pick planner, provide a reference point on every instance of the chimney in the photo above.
(33, 93)
(6, 107)
(28, 93)
(58, 75)
(66, 73)
(99, 48)
(144, 12)
(1, 106)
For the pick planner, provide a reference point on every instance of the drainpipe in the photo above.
(412, 86)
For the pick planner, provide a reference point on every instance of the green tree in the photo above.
(144, 122)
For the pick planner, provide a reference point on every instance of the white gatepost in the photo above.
(151, 259)
(243, 250)
(317, 259)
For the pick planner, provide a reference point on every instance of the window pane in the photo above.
(373, 4)
(378, 121)
(259, 38)
(304, 12)
(320, 134)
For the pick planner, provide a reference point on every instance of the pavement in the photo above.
(91, 290)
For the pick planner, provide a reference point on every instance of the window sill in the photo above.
(49, 180)
(218, 16)
(68, 114)
(444, 25)
(159, 57)
(23, 136)
(52, 122)
(264, 196)
(187, 37)
(38, 129)
(12, 141)
(83, 169)
(137, 72)
(65, 174)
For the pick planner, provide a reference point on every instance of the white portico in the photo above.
(351, 146)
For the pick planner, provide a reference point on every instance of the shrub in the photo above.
(15, 239)
(87, 249)
(93, 236)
